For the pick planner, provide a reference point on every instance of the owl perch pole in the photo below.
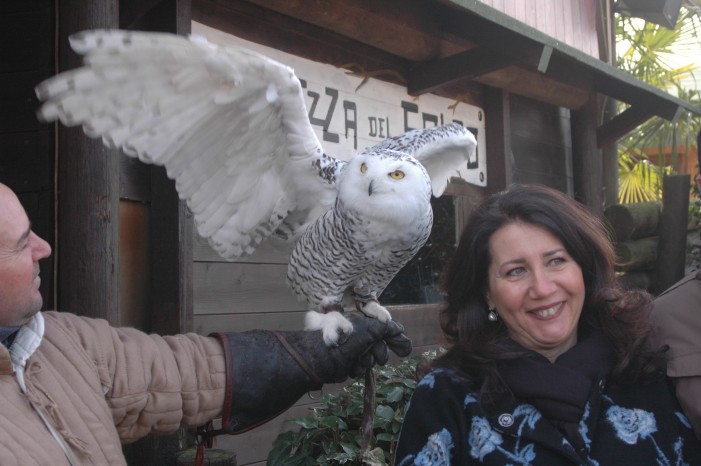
(368, 424)
(230, 126)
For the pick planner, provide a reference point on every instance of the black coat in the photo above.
(632, 425)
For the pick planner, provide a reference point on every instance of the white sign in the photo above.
(348, 118)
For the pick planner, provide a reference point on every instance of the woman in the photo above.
(548, 362)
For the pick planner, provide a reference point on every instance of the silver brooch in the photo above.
(506, 420)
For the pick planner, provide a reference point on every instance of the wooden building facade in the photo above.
(124, 245)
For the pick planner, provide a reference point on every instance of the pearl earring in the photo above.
(492, 316)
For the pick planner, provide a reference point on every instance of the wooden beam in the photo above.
(545, 57)
(470, 64)
(427, 77)
(297, 37)
(537, 86)
(612, 130)
(411, 29)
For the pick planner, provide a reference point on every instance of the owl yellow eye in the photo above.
(363, 167)
(397, 175)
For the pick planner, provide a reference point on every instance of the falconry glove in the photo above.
(268, 371)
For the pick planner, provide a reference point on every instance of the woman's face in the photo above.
(536, 288)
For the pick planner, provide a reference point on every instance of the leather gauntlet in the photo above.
(268, 371)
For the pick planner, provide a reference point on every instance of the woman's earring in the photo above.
(492, 316)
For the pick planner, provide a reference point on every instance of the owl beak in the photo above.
(370, 190)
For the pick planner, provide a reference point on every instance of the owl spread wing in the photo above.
(444, 151)
(229, 125)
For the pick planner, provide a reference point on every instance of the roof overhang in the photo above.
(504, 42)
(448, 47)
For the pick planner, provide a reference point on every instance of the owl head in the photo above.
(385, 184)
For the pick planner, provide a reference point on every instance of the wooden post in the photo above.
(609, 156)
(498, 138)
(673, 229)
(88, 191)
(171, 230)
(587, 166)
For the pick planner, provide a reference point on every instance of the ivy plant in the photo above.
(330, 435)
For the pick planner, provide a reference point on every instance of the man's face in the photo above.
(20, 252)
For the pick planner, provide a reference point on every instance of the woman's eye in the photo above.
(558, 261)
(363, 167)
(397, 174)
(515, 272)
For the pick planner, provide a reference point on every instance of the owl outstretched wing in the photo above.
(444, 151)
(229, 125)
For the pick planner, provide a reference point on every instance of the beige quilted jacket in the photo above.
(73, 389)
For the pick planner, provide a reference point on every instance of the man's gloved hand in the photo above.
(267, 371)
(388, 335)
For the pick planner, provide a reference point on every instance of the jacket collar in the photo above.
(26, 342)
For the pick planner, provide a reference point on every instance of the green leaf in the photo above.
(330, 421)
(305, 422)
(278, 455)
(394, 394)
(385, 437)
(384, 412)
(374, 457)
(350, 449)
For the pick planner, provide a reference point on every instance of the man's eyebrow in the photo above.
(25, 235)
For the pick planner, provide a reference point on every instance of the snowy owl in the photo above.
(231, 128)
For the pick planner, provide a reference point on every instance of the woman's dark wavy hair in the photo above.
(475, 343)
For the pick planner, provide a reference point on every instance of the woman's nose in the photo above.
(541, 284)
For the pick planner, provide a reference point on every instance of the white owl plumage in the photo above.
(231, 128)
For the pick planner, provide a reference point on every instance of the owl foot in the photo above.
(333, 326)
(374, 309)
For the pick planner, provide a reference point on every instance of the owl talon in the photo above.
(375, 310)
(334, 327)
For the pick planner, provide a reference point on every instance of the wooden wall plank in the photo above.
(269, 252)
(221, 287)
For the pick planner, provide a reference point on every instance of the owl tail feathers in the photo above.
(267, 371)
